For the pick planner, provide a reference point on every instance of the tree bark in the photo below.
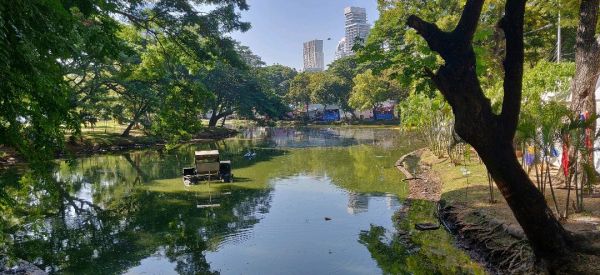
(587, 59)
(587, 69)
(128, 129)
(490, 134)
(133, 121)
(215, 118)
(212, 122)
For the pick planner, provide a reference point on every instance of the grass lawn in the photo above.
(108, 133)
(473, 191)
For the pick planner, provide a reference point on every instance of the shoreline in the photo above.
(488, 231)
(497, 247)
(89, 147)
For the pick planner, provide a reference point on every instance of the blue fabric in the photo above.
(529, 159)
(384, 116)
(331, 115)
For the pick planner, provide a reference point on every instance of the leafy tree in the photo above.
(491, 134)
(37, 41)
(43, 43)
(277, 78)
(248, 57)
(326, 88)
(238, 90)
(299, 92)
(370, 90)
(392, 46)
(346, 69)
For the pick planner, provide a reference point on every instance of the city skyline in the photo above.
(279, 28)
(356, 29)
(313, 56)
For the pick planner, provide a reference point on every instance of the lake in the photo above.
(315, 200)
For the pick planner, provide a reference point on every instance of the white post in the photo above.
(558, 36)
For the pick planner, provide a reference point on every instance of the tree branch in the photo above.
(512, 25)
(467, 24)
(436, 38)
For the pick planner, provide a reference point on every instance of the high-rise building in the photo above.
(356, 30)
(340, 50)
(313, 56)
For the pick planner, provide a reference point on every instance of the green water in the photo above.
(130, 213)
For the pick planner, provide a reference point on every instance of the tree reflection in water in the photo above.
(111, 213)
(83, 238)
(409, 251)
(89, 217)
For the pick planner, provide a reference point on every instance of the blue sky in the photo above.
(279, 27)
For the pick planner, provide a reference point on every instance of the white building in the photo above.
(313, 56)
(340, 50)
(357, 28)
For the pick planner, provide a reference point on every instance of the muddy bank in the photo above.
(487, 230)
(500, 248)
(423, 184)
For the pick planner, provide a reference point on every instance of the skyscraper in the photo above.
(340, 50)
(313, 56)
(356, 30)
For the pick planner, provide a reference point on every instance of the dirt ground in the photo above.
(472, 190)
(488, 230)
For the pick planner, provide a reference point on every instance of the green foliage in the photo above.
(432, 117)
(370, 90)
(392, 46)
(240, 91)
(62, 62)
(276, 78)
(299, 92)
(37, 39)
(545, 90)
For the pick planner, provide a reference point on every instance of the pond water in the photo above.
(313, 201)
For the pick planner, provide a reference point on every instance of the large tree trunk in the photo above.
(212, 122)
(490, 134)
(128, 129)
(587, 68)
(587, 59)
(215, 118)
(134, 120)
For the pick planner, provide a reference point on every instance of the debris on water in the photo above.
(426, 226)
(208, 205)
(327, 218)
(250, 154)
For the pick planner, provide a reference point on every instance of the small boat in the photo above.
(208, 167)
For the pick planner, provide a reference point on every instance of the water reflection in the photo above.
(131, 213)
(357, 203)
